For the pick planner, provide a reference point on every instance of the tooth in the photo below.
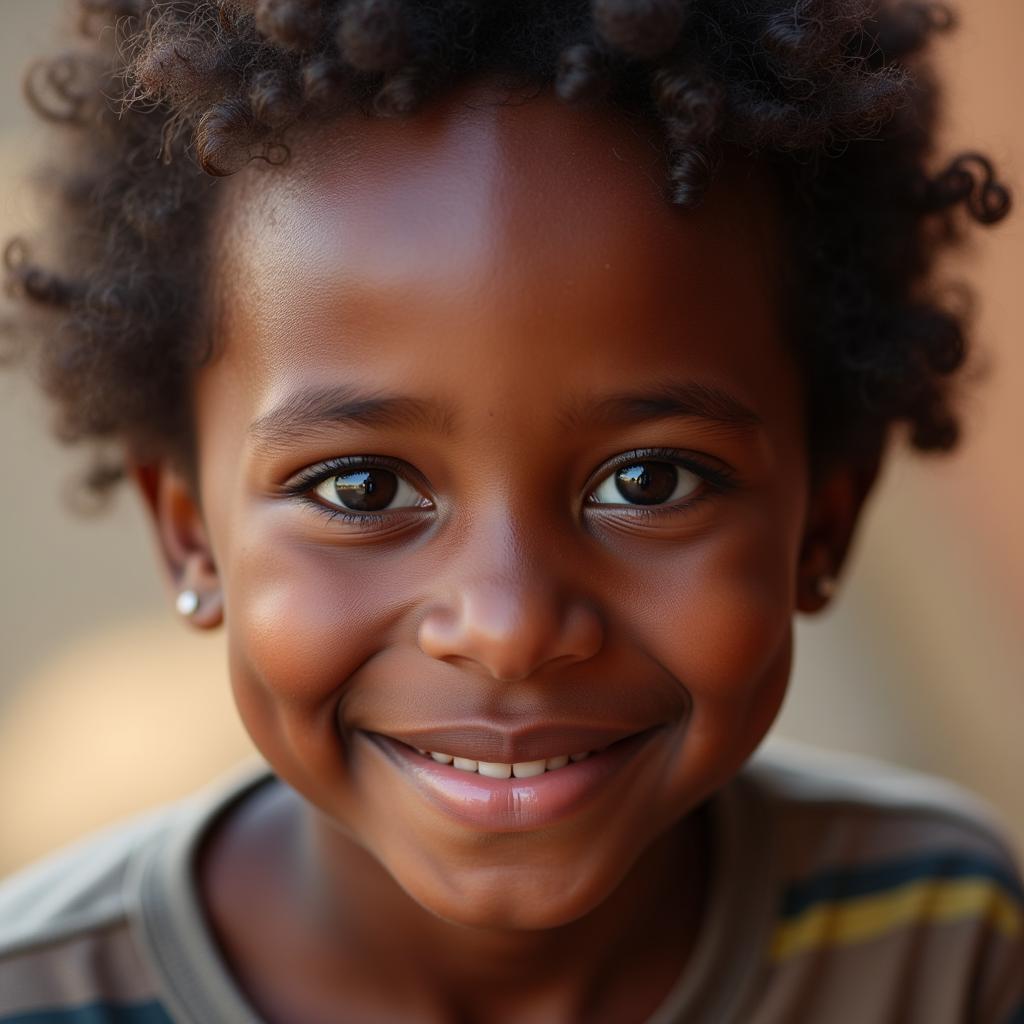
(442, 758)
(527, 769)
(580, 757)
(422, 753)
(557, 762)
(494, 769)
(465, 764)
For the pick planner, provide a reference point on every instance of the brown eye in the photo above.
(372, 489)
(646, 483)
(368, 490)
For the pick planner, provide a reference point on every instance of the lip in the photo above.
(518, 805)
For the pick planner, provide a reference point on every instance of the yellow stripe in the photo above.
(928, 901)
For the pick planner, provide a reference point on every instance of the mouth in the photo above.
(505, 769)
(520, 794)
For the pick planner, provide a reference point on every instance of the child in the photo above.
(505, 475)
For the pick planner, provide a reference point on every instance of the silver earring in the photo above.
(825, 586)
(187, 603)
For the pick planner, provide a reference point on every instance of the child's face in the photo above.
(494, 313)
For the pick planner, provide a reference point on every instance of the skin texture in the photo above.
(514, 269)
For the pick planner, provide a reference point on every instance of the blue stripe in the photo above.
(95, 1013)
(874, 878)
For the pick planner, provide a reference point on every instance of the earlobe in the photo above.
(834, 509)
(817, 577)
(183, 541)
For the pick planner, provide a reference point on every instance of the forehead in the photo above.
(517, 228)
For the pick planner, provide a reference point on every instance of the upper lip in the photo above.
(511, 744)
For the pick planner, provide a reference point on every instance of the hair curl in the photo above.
(164, 96)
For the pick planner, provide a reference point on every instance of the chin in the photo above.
(502, 898)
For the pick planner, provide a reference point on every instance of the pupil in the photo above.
(647, 483)
(366, 490)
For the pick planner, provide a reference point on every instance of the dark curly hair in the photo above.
(165, 96)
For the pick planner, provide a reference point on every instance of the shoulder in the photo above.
(78, 888)
(65, 936)
(70, 949)
(903, 873)
(838, 806)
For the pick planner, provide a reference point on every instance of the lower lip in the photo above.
(518, 805)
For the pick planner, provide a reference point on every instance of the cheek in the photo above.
(718, 617)
(715, 612)
(301, 620)
(721, 627)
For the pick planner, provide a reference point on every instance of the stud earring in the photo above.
(825, 586)
(187, 603)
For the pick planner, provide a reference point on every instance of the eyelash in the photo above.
(719, 480)
(300, 486)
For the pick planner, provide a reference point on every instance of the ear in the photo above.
(183, 540)
(835, 503)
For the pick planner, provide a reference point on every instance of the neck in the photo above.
(350, 943)
(633, 945)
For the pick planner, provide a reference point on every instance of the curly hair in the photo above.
(163, 97)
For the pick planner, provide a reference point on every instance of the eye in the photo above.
(646, 482)
(368, 489)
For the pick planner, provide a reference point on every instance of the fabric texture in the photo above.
(843, 890)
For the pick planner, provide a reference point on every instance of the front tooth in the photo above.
(465, 764)
(442, 758)
(580, 757)
(527, 769)
(557, 762)
(494, 769)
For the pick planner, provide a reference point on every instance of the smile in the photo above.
(503, 769)
(522, 795)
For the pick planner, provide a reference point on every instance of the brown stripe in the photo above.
(915, 976)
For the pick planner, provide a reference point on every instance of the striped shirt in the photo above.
(843, 891)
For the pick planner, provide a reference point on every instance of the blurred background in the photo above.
(108, 704)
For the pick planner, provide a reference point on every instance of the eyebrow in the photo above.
(310, 410)
(688, 400)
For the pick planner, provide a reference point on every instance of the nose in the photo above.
(511, 627)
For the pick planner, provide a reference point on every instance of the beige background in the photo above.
(107, 704)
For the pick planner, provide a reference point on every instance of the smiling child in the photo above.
(503, 378)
